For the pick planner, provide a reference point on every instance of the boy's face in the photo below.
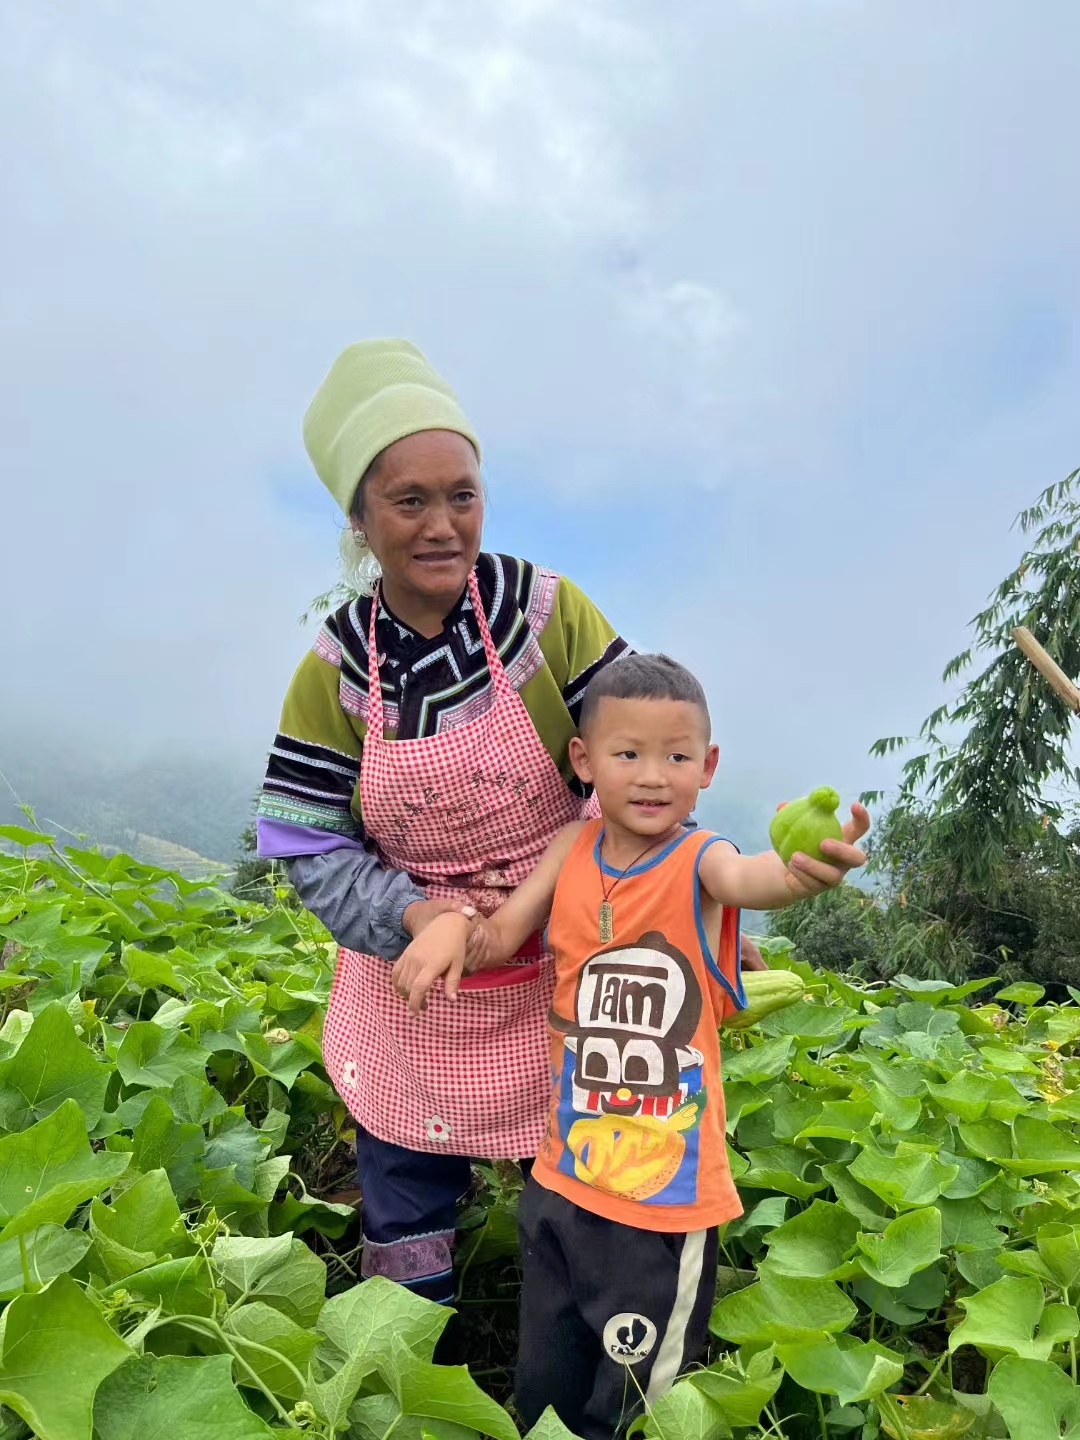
(647, 759)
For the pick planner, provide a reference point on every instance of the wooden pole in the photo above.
(1048, 668)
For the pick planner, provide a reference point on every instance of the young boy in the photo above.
(618, 1218)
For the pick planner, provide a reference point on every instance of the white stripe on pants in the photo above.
(669, 1357)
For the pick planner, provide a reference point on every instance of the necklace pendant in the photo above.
(607, 921)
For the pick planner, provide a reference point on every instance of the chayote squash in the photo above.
(803, 824)
(766, 991)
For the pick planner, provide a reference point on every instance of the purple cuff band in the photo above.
(415, 1258)
(278, 840)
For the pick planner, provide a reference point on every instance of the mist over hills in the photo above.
(198, 802)
(171, 808)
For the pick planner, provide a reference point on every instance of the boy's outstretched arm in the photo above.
(764, 882)
(440, 948)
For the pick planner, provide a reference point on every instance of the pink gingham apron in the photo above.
(468, 814)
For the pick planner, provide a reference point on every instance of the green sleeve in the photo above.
(314, 767)
(577, 641)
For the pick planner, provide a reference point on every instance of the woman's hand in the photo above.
(419, 914)
(806, 877)
(439, 951)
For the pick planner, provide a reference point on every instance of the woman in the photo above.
(475, 665)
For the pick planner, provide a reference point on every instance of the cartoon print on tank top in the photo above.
(630, 1094)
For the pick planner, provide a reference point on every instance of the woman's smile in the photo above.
(438, 557)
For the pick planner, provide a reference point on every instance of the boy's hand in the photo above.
(440, 950)
(805, 877)
(481, 952)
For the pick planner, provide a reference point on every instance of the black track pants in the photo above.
(608, 1312)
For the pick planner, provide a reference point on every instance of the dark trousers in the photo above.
(609, 1313)
(409, 1213)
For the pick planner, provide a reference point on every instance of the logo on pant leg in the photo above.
(628, 1338)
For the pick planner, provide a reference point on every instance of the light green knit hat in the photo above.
(377, 391)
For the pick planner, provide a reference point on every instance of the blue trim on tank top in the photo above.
(738, 995)
(643, 865)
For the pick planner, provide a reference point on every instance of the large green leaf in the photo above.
(147, 971)
(282, 1063)
(1059, 1249)
(194, 1100)
(161, 1142)
(242, 1262)
(783, 1168)
(905, 1180)
(869, 1209)
(971, 1096)
(1032, 1147)
(374, 1416)
(443, 1392)
(739, 1393)
(270, 1330)
(49, 1170)
(50, 1251)
(938, 992)
(686, 1411)
(308, 1212)
(1003, 1319)
(550, 1427)
(51, 1066)
(156, 1058)
(1023, 992)
(782, 1307)
(759, 1063)
(1042, 1148)
(1036, 1398)
(365, 1320)
(333, 1396)
(815, 1242)
(236, 1142)
(20, 835)
(927, 1419)
(911, 1242)
(805, 1020)
(901, 1111)
(172, 1398)
(57, 1350)
(973, 1175)
(909, 1304)
(177, 1287)
(130, 1233)
(966, 1225)
(848, 1368)
(839, 1120)
(281, 1272)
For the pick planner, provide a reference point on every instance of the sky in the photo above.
(766, 312)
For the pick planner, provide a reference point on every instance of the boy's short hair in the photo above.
(644, 677)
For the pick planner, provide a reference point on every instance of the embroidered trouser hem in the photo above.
(409, 1211)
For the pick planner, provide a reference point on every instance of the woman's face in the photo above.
(423, 511)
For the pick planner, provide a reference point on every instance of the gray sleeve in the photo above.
(357, 898)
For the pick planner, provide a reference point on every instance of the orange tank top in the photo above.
(636, 1127)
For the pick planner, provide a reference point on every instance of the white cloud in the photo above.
(770, 244)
